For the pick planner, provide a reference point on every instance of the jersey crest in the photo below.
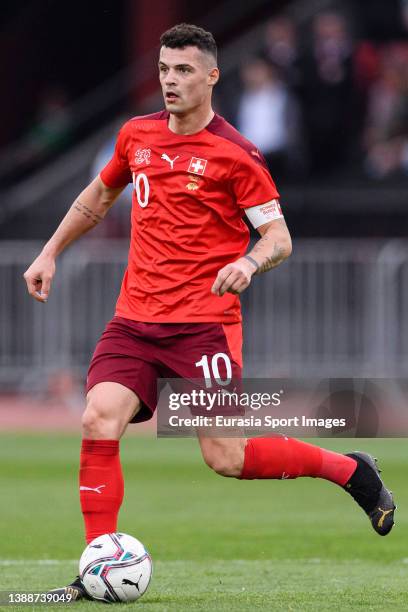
(143, 155)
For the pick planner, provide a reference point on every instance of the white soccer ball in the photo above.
(115, 567)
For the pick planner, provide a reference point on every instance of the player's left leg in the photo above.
(277, 457)
(213, 351)
(284, 458)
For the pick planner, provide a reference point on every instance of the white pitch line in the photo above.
(311, 560)
(6, 562)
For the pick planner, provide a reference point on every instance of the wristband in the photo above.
(255, 263)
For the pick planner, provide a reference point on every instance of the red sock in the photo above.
(101, 486)
(283, 457)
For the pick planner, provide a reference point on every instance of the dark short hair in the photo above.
(188, 35)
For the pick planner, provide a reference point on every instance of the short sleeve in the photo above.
(251, 182)
(117, 173)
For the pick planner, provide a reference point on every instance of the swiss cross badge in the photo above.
(197, 165)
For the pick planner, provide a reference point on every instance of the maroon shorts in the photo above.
(137, 354)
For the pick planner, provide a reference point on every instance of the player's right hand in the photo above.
(39, 276)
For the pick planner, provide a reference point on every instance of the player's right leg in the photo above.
(110, 407)
(121, 387)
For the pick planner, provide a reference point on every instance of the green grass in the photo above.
(217, 544)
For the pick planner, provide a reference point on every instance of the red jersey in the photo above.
(189, 197)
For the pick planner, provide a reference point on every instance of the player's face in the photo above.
(187, 77)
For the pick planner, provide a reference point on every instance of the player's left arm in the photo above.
(274, 246)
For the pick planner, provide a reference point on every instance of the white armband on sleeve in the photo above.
(259, 215)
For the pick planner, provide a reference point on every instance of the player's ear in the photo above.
(213, 76)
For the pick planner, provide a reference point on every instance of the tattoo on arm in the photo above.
(87, 212)
(278, 254)
(275, 259)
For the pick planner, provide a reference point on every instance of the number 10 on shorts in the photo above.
(205, 364)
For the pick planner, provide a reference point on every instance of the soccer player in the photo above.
(194, 177)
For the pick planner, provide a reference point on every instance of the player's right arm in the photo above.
(86, 212)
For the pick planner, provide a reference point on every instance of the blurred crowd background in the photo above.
(320, 86)
(335, 100)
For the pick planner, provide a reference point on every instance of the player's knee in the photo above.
(109, 409)
(227, 464)
(92, 425)
(97, 423)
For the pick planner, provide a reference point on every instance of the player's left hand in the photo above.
(234, 277)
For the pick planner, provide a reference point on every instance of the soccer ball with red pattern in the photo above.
(115, 567)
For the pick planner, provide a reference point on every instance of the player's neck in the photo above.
(190, 123)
